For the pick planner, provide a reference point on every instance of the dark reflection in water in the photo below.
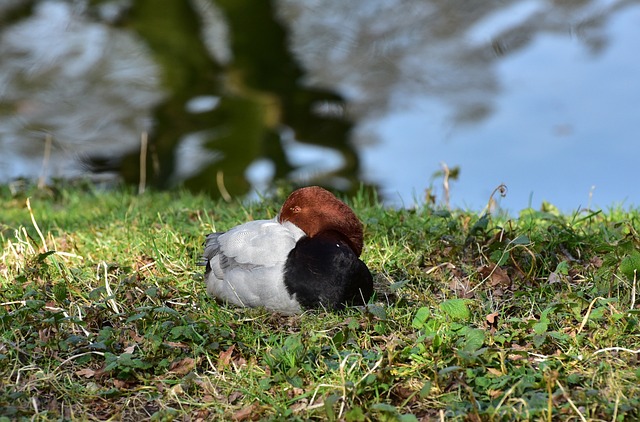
(221, 111)
(238, 92)
(259, 99)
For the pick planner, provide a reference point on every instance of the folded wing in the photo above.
(245, 264)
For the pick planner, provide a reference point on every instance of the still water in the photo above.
(236, 94)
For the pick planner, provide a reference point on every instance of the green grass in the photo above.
(104, 315)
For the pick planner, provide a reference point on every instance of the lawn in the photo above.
(104, 315)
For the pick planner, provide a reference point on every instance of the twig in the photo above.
(35, 224)
(92, 352)
(615, 409)
(143, 163)
(315, 393)
(502, 189)
(445, 183)
(504, 397)
(24, 243)
(586, 317)
(66, 315)
(69, 255)
(107, 287)
(593, 187)
(15, 302)
(617, 349)
(633, 288)
(437, 267)
(566, 396)
(45, 161)
(221, 187)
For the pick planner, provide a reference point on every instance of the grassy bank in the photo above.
(103, 315)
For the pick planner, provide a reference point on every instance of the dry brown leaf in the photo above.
(500, 278)
(177, 390)
(596, 261)
(497, 278)
(494, 371)
(514, 356)
(244, 413)
(554, 278)
(299, 405)
(86, 372)
(404, 393)
(519, 348)
(491, 321)
(144, 261)
(461, 287)
(176, 344)
(137, 338)
(234, 397)
(473, 417)
(239, 361)
(183, 366)
(225, 357)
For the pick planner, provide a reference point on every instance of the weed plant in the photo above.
(104, 315)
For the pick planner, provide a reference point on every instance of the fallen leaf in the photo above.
(295, 392)
(491, 321)
(177, 390)
(53, 405)
(494, 394)
(554, 278)
(494, 371)
(244, 413)
(473, 417)
(299, 405)
(225, 357)
(119, 384)
(202, 415)
(596, 261)
(461, 287)
(137, 338)
(239, 361)
(130, 349)
(527, 347)
(100, 373)
(404, 392)
(176, 344)
(497, 276)
(183, 366)
(234, 397)
(513, 356)
(86, 372)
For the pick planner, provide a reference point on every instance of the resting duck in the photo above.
(306, 257)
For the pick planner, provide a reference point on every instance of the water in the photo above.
(539, 96)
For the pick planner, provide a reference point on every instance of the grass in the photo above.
(103, 315)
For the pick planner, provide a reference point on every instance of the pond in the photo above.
(230, 97)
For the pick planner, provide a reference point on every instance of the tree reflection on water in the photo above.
(224, 84)
(260, 100)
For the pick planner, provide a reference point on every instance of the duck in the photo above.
(307, 257)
